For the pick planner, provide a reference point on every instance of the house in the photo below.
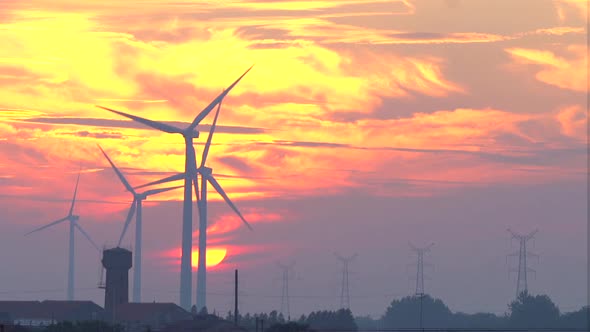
(35, 313)
(26, 313)
(5, 318)
(72, 311)
(141, 316)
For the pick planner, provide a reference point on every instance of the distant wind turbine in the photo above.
(73, 219)
(189, 175)
(206, 177)
(138, 198)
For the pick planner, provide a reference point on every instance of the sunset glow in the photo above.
(214, 257)
(362, 124)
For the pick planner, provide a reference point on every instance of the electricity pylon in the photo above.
(345, 292)
(286, 269)
(420, 276)
(523, 253)
(420, 267)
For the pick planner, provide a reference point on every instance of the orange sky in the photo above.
(345, 96)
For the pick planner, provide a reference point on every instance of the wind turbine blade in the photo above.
(48, 225)
(127, 221)
(220, 190)
(197, 193)
(154, 124)
(75, 192)
(160, 190)
(215, 101)
(119, 174)
(210, 137)
(175, 177)
(86, 235)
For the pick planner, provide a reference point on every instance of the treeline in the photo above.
(527, 311)
(318, 320)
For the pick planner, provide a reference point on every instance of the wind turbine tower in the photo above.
(190, 179)
(136, 205)
(345, 292)
(73, 219)
(420, 268)
(523, 253)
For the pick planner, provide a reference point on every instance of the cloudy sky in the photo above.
(364, 125)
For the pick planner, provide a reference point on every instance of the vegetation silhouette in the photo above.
(330, 320)
(525, 312)
(405, 313)
(533, 312)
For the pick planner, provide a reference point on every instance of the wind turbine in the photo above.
(138, 198)
(189, 175)
(206, 177)
(73, 219)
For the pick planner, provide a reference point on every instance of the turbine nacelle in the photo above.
(74, 218)
(190, 133)
(205, 171)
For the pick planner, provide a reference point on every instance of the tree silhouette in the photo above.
(331, 320)
(405, 313)
(577, 319)
(529, 311)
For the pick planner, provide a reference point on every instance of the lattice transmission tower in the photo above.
(286, 272)
(345, 290)
(420, 267)
(523, 254)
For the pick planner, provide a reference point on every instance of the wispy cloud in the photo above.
(567, 73)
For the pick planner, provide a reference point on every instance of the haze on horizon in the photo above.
(364, 124)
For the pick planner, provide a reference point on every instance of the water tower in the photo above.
(117, 262)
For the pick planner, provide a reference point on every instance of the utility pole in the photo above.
(419, 292)
(285, 310)
(236, 299)
(523, 253)
(345, 291)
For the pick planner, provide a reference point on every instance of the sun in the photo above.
(214, 257)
